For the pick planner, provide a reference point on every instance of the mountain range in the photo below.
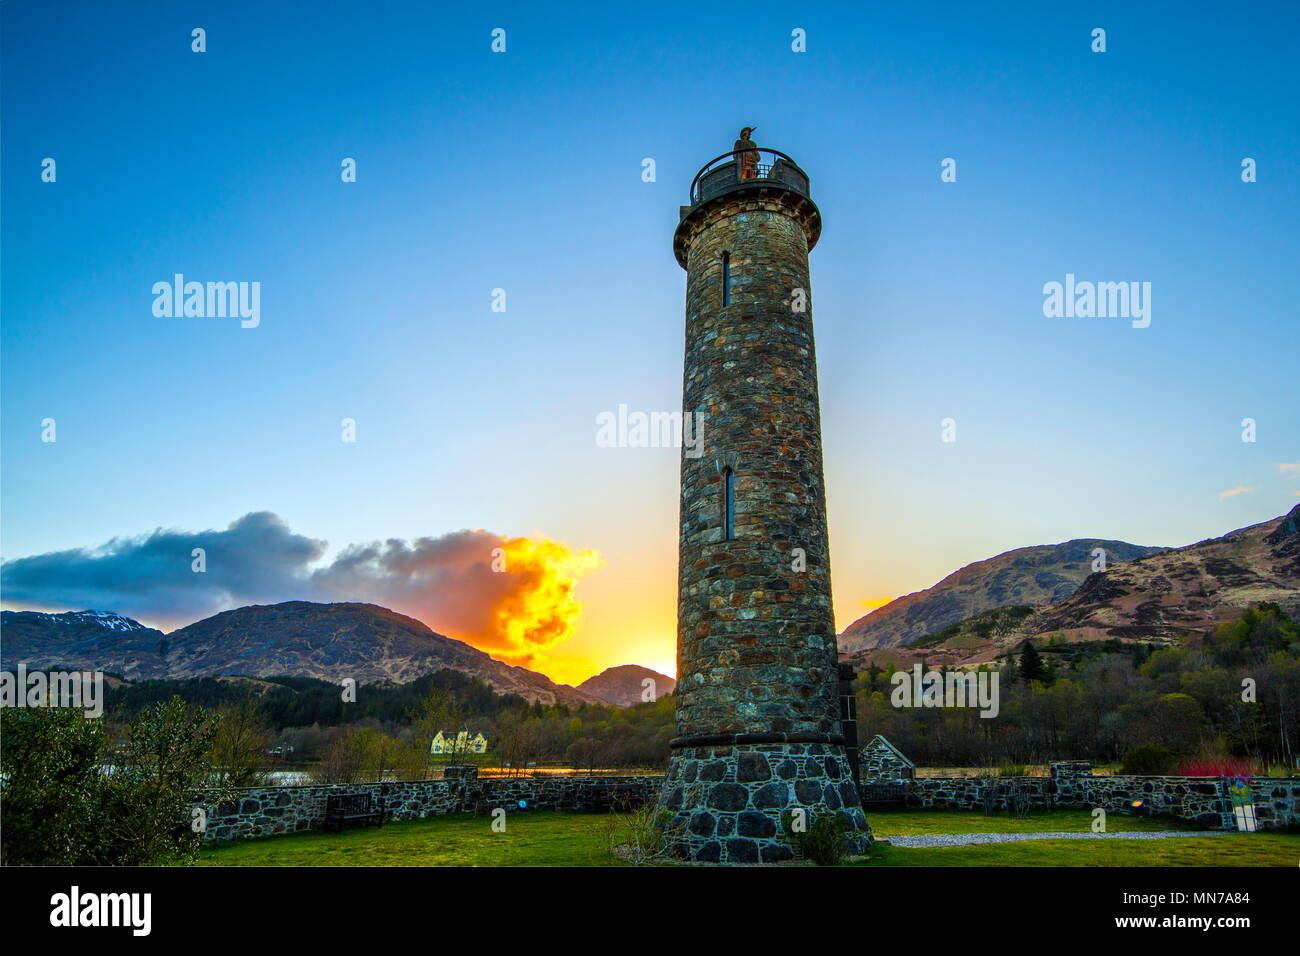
(624, 686)
(1047, 592)
(1043, 574)
(1158, 596)
(297, 638)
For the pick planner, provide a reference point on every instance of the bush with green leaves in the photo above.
(63, 806)
(824, 841)
(1148, 760)
(51, 798)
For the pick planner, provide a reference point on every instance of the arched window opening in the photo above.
(726, 279)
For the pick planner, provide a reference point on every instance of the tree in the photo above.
(61, 808)
(873, 677)
(520, 740)
(342, 762)
(1012, 672)
(52, 785)
(239, 744)
(149, 799)
(434, 713)
(586, 753)
(1031, 665)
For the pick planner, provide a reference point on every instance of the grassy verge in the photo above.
(578, 839)
(530, 839)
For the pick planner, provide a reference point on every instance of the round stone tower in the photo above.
(758, 735)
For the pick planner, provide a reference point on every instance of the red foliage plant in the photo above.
(1217, 767)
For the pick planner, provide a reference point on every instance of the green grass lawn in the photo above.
(530, 839)
(578, 839)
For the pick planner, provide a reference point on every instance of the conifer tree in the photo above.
(1031, 665)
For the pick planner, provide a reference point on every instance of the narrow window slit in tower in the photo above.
(729, 506)
(726, 279)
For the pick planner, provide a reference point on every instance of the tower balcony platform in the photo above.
(760, 174)
(747, 169)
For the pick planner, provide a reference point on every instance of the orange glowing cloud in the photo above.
(511, 597)
(540, 610)
(514, 598)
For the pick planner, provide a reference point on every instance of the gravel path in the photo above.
(966, 839)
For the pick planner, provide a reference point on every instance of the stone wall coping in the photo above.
(261, 788)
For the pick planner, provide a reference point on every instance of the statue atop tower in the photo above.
(746, 154)
(759, 738)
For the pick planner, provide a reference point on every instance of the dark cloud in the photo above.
(256, 560)
(510, 596)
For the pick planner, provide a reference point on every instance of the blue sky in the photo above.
(522, 171)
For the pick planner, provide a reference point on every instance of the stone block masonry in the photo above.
(750, 788)
(730, 799)
(883, 763)
(266, 811)
(1199, 800)
(759, 731)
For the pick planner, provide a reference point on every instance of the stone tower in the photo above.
(758, 712)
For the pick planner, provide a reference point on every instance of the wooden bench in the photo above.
(881, 796)
(347, 808)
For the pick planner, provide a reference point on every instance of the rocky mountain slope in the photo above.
(1158, 599)
(622, 687)
(94, 640)
(298, 638)
(1186, 590)
(1043, 574)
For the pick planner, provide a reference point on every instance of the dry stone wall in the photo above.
(1201, 801)
(266, 811)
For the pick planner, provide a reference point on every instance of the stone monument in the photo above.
(758, 737)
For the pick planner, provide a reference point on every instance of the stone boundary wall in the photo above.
(1199, 800)
(264, 811)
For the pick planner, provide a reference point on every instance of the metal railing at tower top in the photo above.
(755, 166)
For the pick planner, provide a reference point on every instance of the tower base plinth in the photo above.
(728, 802)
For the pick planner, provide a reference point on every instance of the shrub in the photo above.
(642, 835)
(825, 841)
(147, 811)
(1148, 760)
(52, 786)
(1217, 766)
(61, 809)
